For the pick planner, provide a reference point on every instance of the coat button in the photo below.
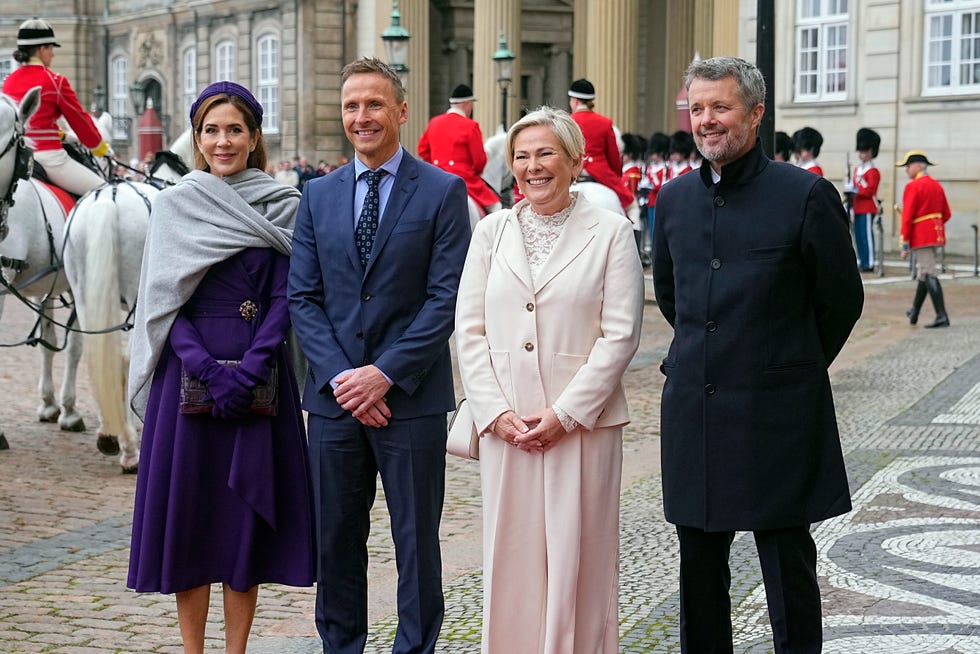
(359, 335)
(529, 347)
(709, 389)
(715, 264)
(711, 326)
(366, 297)
(719, 201)
(529, 306)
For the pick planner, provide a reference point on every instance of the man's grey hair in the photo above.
(751, 84)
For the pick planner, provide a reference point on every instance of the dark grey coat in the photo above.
(758, 277)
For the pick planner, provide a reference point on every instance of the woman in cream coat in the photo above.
(547, 320)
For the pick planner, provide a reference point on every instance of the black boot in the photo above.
(936, 294)
(920, 296)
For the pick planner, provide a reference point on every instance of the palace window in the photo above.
(189, 78)
(821, 50)
(267, 80)
(224, 61)
(952, 47)
(6, 67)
(119, 103)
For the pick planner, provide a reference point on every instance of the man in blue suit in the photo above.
(375, 267)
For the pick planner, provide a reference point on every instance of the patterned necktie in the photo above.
(367, 226)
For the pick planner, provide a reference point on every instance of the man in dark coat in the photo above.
(754, 269)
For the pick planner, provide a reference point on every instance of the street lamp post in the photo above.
(138, 97)
(395, 38)
(504, 60)
(98, 97)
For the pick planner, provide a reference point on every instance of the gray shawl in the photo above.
(200, 222)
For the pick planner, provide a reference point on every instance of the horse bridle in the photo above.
(23, 167)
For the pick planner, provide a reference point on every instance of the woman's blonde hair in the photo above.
(561, 124)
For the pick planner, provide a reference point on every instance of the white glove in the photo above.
(850, 188)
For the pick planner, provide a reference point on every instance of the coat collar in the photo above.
(578, 232)
(739, 171)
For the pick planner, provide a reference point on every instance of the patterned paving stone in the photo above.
(900, 574)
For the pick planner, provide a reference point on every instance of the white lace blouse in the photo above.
(540, 235)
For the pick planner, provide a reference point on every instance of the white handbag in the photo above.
(463, 439)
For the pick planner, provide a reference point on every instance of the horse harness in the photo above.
(56, 265)
(23, 164)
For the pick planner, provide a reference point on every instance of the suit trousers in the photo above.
(346, 458)
(788, 558)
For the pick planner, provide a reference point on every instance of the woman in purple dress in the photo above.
(222, 496)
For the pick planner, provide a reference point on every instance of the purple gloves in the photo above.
(231, 396)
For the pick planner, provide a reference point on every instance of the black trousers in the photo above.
(788, 558)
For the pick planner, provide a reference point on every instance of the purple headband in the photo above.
(229, 88)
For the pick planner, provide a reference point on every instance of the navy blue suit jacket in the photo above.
(398, 313)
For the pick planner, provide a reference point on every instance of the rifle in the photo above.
(848, 196)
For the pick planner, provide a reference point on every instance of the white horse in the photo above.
(103, 252)
(32, 222)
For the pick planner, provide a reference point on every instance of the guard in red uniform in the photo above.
(634, 148)
(654, 176)
(862, 189)
(807, 142)
(603, 161)
(453, 141)
(924, 215)
(679, 155)
(35, 51)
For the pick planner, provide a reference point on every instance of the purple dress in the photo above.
(225, 500)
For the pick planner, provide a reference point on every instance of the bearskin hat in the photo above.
(659, 143)
(682, 143)
(868, 139)
(634, 145)
(783, 145)
(808, 138)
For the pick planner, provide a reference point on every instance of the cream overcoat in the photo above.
(567, 337)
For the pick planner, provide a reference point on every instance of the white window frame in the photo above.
(823, 52)
(7, 66)
(189, 77)
(951, 47)
(268, 64)
(119, 103)
(224, 60)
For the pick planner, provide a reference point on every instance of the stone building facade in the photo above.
(909, 69)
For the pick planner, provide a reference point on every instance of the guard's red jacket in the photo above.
(57, 99)
(812, 166)
(653, 178)
(866, 179)
(602, 159)
(924, 212)
(632, 174)
(454, 143)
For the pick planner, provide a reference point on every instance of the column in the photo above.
(680, 52)
(415, 18)
(580, 39)
(490, 18)
(557, 92)
(612, 28)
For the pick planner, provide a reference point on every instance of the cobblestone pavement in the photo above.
(900, 573)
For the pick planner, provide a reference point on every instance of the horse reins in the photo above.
(23, 163)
